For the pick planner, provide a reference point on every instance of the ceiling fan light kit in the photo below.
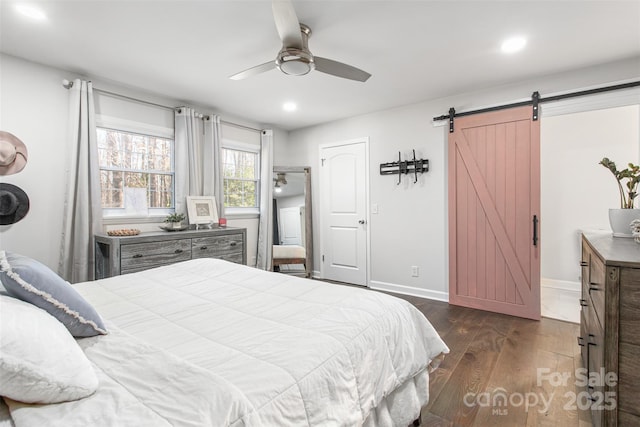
(295, 58)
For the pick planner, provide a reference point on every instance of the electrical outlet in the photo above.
(415, 271)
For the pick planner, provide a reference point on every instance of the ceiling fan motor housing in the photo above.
(294, 61)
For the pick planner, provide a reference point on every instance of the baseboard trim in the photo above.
(564, 285)
(559, 299)
(408, 290)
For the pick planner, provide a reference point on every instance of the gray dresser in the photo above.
(127, 254)
(610, 327)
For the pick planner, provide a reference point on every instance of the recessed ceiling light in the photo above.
(31, 11)
(514, 44)
(289, 106)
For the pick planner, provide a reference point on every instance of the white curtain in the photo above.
(82, 205)
(197, 158)
(213, 179)
(265, 227)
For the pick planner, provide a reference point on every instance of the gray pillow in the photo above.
(33, 282)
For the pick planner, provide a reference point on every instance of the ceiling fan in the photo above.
(295, 58)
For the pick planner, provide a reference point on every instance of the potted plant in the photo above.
(628, 180)
(175, 220)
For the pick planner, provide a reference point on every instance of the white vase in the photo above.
(620, 221)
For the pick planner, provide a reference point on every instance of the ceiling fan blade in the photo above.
(287, 23)
(254, 70)
(339, 69)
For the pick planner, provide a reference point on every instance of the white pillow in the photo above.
(40, 362)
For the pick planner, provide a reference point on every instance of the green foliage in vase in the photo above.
(175, 217)
(629, 178)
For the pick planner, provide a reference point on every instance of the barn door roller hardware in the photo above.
(400, 167)
(534, 102)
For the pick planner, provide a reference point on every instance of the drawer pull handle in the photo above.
(202, 248)
(584, 264)
(583, 303)
(178, 251)
(138, 256)
(233, 243)
(591, 336)
(581, 341)
(593, 287)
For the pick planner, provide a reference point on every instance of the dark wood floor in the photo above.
(493, 354)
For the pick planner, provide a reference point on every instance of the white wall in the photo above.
(577, 192)
(34, 107)
(411, 226)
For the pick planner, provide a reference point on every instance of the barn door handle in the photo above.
(535, 230)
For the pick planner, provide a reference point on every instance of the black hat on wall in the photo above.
(14, 204)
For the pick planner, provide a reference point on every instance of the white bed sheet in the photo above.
(225, 344)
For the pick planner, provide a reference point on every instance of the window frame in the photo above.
(114, 215)
(229, 144)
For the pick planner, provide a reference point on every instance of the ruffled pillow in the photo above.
(27, 279)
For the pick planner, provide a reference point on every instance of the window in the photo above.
(136, 173)
(241, 178)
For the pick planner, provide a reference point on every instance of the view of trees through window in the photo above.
(136, 161)
(240, 178)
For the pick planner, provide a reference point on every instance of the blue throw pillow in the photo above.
(33, 282)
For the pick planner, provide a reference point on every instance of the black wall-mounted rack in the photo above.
(406, 167)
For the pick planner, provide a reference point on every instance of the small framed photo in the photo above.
(202, 210)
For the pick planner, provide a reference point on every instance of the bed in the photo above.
(207, 342)
(288, 254)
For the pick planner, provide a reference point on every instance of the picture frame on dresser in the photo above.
(202, 210)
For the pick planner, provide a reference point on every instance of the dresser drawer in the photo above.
(140, 256)
(218, 247)
(597, 280)
(595, 343)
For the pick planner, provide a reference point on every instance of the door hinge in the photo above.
(322, 162)
(322, 258)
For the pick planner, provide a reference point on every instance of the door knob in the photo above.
(362, 221)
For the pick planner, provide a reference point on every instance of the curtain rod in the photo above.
(547, 99)
(240, 126)
(68, 85)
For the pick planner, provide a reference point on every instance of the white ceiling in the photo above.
(415, 50)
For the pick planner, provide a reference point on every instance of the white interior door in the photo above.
(290, 226)
(343, 179)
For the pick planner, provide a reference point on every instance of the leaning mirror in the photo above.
(292, 227)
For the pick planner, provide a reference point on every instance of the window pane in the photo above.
(137, 161)
(250, 194)
(248, 166)
(112, 189)
(160, 191)
(160, 154)
(241, 181)
(136, 180)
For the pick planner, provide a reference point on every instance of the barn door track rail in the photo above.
(534, 102)
(405, 167)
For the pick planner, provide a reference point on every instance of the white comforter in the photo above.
(212, 343)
